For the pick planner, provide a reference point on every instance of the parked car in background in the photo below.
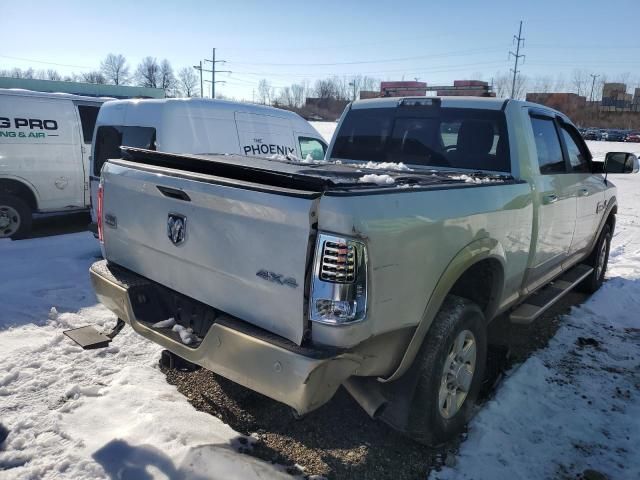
(379, 269)
(633, 137)
(196, 125)
(45, 139)
(615, 136)
(591, 135)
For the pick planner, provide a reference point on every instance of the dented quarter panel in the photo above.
(412, 238)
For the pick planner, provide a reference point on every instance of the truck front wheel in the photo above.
(450, 367)
(15, 217)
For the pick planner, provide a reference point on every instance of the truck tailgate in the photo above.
(244, 250)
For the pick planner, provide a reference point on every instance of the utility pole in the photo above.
(199, 68)
(593, 84)
(517, 57)
(353, 84)
(213, 70)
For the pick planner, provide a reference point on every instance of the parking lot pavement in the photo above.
(49, 225)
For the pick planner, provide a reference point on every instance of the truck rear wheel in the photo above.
(599, 260)
(15, 217)
(450, 366)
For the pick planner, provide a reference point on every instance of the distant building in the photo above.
(403, 89)
(365, 94)
(616, 99)
(79, 88)
(465, 88)
(567, 103)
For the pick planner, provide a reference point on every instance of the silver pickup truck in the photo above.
(377, 269)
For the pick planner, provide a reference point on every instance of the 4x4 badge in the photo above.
(277, 278)
(177, 228)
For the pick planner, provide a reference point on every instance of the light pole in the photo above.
(199, 68)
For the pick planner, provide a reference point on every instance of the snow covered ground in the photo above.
(110, 413)
(576, 404)
(93, 414)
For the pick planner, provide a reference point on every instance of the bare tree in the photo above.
(265, 92)
(560, 84)
(581, 82)
(502, 85)
(167, 78)
(542, 84)
(53, 75)
(115, 69)
(148, 73)
(94, 77)
(325, 88)
(297, 92)
(188, 82)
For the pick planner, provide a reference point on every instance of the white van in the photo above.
(196, 125)
(44, 155)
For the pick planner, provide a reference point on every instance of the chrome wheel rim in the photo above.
(457, 374)
(9, 221)
(602, 256)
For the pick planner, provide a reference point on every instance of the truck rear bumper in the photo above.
(302, 378)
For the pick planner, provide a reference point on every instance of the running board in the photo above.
(90, 338)
(539, 302)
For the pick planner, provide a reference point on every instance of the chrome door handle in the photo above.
(584, 192)
(550, 198)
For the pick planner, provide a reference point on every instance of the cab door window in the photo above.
(548, 147)
(312, 148)
(578, 154)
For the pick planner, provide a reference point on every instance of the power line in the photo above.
(44, 62)
(434, 69)
(386, 60)
(517, 57)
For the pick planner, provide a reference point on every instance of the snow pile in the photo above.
(168, 323)
(377, 179)
(387, 166)
(574, 405)
(95, 414)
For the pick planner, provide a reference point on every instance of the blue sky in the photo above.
(291, 41)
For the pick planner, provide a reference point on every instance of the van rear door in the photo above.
(265, 135)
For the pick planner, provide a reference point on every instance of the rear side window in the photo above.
(312, 148)
(465, 138)
(110, 138)
(88, 116)
(548, 147)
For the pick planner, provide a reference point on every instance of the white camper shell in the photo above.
(200, 126)
(44, 155)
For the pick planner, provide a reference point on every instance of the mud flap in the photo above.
(89, 338)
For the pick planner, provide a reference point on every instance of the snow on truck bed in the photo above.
(110, 413)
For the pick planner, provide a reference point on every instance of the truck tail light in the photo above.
(339, 286)
(99, 212)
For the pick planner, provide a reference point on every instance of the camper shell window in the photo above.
(110, 138)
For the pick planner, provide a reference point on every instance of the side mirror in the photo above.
(621, 162)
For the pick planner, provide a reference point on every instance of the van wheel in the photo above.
(450, 366)
(15, 217)
(599, 260)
